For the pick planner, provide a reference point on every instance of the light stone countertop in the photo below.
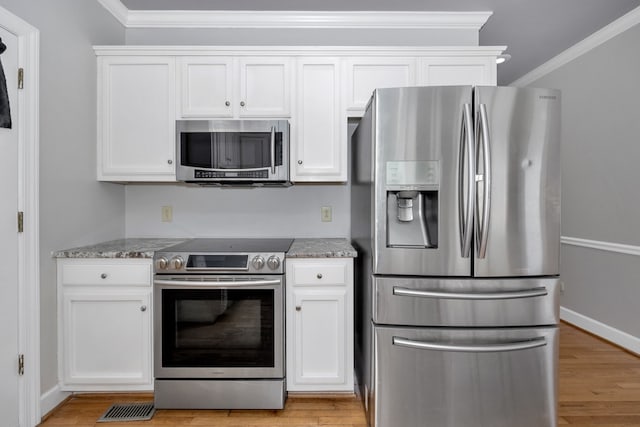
(321, 248)
(145, 248)
(121, 248)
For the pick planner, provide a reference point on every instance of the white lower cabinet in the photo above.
(105, 324)
(319, 317)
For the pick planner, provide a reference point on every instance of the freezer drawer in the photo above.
(437, 377)
(466, 302)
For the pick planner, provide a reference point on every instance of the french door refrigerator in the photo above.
(456, 212)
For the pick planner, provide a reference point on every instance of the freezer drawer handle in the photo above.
(484, 348)
(527, 293)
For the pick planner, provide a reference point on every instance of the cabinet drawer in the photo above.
(106, 273)
(321, 273)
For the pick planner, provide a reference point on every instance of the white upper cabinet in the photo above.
(453, 71)
(136, 125)
(206, 86)
(366, 74)
(228, 87)
(265, 87)
(319, 146)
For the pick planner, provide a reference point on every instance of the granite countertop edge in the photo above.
(146, 247)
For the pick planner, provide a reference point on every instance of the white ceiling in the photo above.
(534, 30)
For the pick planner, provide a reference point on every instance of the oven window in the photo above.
(229, 150)
(218, 328)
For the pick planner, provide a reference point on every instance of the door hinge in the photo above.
(20, 222)
(20, 78)
(21, 364)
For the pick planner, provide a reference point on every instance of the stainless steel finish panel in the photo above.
(419, 124)
(466, 302)
(276, 173)
(223, 394)
(200, 282)
(523, 139)
(509, 379)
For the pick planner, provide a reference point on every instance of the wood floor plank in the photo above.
(599, 386)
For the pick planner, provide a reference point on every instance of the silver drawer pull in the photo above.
(104, 275)
(319, 275)
(527, 293)
(481, 348)
(298, 308)
(143, 308)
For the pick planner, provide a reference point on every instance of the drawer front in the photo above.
(465, 377)
(466, 302)
(106, 273)
(320, 273)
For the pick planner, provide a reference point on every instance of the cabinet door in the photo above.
(106, 340)
(206, 86)
(264, 87)
(136, 119)
(454, 71)
(319, 334)
(319, 149)
(366, 74)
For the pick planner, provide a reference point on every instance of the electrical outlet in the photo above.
(166, 213)
(561, 287)
(325, 214)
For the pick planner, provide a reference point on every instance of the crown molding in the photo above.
(295, 19)
(601, 36)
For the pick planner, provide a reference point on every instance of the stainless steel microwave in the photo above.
(233, 151)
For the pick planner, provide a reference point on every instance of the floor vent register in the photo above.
(128, 412)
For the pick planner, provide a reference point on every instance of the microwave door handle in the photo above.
(238, 170)
(273, 150)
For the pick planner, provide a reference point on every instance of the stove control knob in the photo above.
(273, 262)
(257, 262)
(176, 263)
(162, 263)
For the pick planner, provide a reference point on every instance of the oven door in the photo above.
(218, 327)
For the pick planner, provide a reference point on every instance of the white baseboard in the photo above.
(616, 336)
(52, 398)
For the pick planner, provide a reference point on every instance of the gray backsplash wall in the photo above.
(600, 153)
(220, 212)
(75, 209)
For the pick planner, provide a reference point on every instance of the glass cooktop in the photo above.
(216, 245)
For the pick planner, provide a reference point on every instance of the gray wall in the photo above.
(74, 208)
(601, 150)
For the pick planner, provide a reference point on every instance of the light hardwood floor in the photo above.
(599, 387)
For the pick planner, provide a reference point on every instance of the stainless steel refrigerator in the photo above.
(456, 214)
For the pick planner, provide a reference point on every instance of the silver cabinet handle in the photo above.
(214, 284)
(273, 150)
(143, 308)
(465, 211)
(299, 162)
(242, 103)
(482, 225)
(170, 161)
(227, 103)
(481, 348)
(527, 293)
(319, 275)
(104, 275)
(298, 308)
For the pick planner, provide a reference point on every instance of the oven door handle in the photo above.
(217, 284)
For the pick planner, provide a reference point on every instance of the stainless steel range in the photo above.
(219, 324)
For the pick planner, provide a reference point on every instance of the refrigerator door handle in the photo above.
(526, 293)
(465, 211)
(482, 223)
(482, 348)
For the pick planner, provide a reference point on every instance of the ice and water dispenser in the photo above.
(412, 189)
